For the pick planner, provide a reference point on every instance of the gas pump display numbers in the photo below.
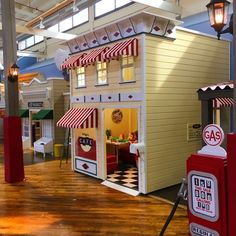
(203, 193)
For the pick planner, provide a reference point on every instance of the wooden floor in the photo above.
(58, 201)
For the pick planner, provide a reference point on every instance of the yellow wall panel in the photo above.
(174, 71)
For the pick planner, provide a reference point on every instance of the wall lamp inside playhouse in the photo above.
(218, 15)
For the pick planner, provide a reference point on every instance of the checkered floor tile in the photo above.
(127, 178)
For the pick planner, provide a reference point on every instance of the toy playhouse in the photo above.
(41, 105)
(134, 107)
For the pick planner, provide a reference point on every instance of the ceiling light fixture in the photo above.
(218, 15)
(41, 25)
(74, 7)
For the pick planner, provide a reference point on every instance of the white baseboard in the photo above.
(121, 188)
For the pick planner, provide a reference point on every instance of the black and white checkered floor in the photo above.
(127, 178)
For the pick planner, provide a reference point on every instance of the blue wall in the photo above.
(200, 22)
(24, 62)
(47, 68)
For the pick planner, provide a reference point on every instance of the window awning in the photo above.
(44, 114)
(129, 48)
(24, 113)
(223, 102)
(79, 118)
(73, 61)
(95, 55)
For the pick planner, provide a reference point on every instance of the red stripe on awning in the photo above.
(129, 48)
(73, 61)
(223, 102)
(93, 56)
(79, 118)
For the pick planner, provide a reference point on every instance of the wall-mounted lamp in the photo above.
(41, 25)
(13, 73)
(218, 15)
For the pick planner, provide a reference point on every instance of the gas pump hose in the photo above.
(181, 194)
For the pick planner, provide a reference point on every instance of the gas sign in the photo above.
(213, 135)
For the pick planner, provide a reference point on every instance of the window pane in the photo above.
(120, 3)
(21, 45)
(38, 38)
(104, 6)
(80, 17)
(53, 28)
(130, 60)
(124, 60)
(80, 70)
(65, 24)
(81, 80)
(102, 77)
(30, 41)
(128, 74)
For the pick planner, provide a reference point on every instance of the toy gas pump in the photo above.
(207, 187)
(206, 176)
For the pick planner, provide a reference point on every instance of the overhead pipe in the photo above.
(48, 13)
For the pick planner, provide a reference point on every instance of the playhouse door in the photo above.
(121, 129)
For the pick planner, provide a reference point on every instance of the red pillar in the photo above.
(231, 159)
(13, 153)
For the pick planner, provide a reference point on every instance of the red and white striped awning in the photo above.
(223, 102)
(93, 56)
(73, 61)
(129, 48)
(79, 118)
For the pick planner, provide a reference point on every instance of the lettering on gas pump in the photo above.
(203, 195)
(199, 230)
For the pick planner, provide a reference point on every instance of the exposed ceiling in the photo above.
(29, 12)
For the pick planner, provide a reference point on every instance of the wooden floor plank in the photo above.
(58, 201)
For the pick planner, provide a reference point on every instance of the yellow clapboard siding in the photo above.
(174, 71)
(186, 72)
(188, 55)
(192, 40)
(184, 61)
(186, 50)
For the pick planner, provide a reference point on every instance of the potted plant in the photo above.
(108, 133)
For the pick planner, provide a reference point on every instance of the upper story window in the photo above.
(104, 6)
(101, 73)
(65, 24)
(80, 17)
(22, 45)
(80, 73)
(30, 41)
(38, 38)
(54, 28)
(127, 68)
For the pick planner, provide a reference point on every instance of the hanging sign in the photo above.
(35, 104)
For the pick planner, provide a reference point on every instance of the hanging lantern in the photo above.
(218, 14)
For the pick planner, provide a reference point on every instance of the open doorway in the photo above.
(121, 129)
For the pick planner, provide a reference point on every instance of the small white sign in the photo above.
(203, 195)
(199, 230)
